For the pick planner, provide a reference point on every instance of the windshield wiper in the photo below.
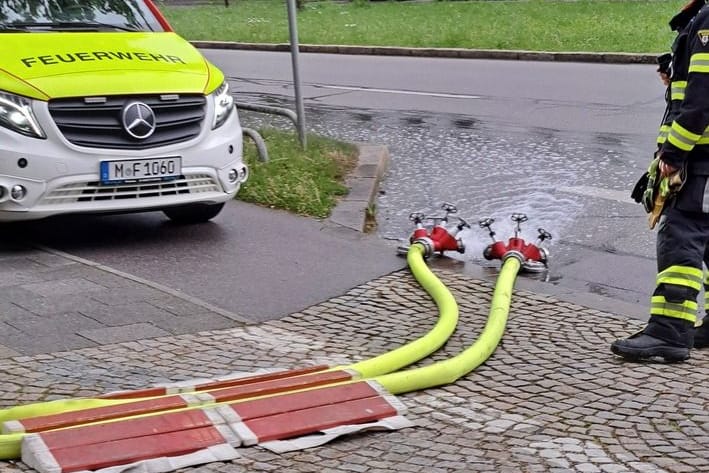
(12, 29)
(69, 25)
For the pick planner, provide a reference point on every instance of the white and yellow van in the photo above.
(104, 109)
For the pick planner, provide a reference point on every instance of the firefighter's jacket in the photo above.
(687, 121)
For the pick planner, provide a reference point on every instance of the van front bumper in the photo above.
(57, 177)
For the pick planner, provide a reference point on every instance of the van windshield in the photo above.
(76, 15)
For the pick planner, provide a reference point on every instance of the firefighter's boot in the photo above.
(663, 339)
(701, 334)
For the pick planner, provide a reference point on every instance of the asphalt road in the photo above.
(561, 142)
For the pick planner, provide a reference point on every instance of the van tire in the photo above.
(193, 213)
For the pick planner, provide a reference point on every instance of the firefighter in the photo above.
(678, 194)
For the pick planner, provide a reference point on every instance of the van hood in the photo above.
(61, 64)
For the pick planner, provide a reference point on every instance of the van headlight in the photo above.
(16, 114)
(223, 104)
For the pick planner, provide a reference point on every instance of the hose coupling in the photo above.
(514, 254)
(428, 246)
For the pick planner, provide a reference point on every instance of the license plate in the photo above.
(136, 170)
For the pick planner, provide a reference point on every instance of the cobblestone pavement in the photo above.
(551, 398)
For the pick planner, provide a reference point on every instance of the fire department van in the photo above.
(104, 109)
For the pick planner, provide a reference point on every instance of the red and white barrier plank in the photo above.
(307, 421)
(176, 401)
(186, 433)
(105, 413)
(186, 447)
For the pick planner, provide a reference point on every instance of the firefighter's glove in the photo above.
(667, 187)
(672, 184)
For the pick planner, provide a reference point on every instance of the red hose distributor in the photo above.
(530, 255)
(439, 238)
(439, 223)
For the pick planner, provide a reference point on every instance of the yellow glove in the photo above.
(668, 186)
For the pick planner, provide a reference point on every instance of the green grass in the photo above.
(535, 25)
(304, 182)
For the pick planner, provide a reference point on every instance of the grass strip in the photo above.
(534, 25)
(304, 182)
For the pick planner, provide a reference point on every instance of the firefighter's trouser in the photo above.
(682, 241)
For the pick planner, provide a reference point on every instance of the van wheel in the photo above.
(193, 213)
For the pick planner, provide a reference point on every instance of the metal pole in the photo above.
(300, 110)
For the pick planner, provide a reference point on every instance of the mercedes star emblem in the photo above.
(138, 120)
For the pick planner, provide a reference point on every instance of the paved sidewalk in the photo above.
(550, 399)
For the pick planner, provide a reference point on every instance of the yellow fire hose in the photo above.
(376, 368)
(427, 344)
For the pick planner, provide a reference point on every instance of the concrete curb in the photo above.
(608, 58)
(363, 185)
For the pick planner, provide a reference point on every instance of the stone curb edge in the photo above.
(608, 58)
(363, 184)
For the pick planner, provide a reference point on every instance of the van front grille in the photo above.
(97, 122)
